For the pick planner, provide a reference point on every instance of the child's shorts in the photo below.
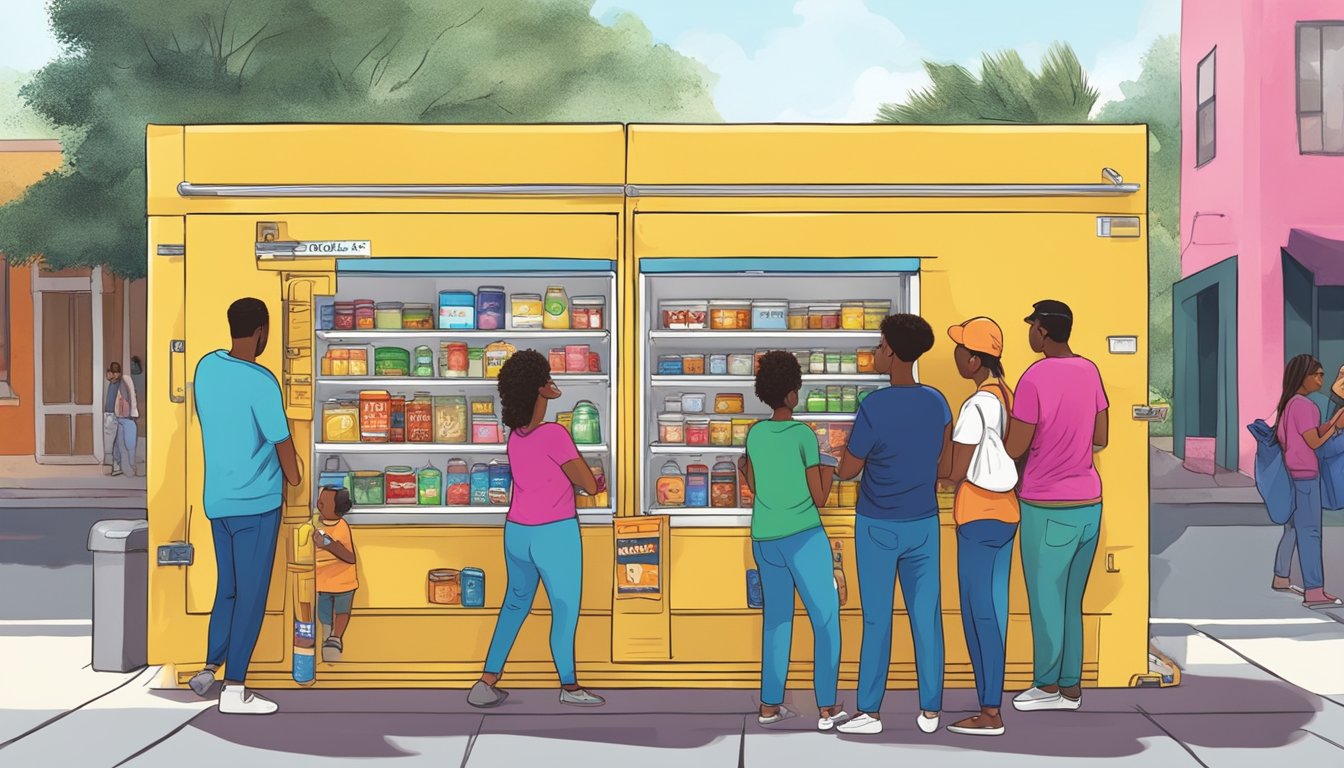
(330, 603)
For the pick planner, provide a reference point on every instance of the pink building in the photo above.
(1262, 211)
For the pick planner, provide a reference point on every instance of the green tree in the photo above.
(132, 62)
(1005, 92)
(17, 119)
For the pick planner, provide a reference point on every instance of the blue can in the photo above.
(501, 482)
(755, 594)
(473, 588)
(480, 485)
(326, 313)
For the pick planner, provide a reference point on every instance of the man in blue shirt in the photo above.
(902, 438)
(248, 457)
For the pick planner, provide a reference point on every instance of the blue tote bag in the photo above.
(1271, 473)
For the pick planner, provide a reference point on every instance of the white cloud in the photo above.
(1120, 62)
(836, 64)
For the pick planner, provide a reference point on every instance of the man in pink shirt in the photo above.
(1059, 420)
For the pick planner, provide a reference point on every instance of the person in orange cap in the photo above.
(986, 514)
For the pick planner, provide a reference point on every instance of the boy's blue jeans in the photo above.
(803, 562)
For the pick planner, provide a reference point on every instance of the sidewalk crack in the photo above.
(1171, 736)
(742, 746)
(471, 742)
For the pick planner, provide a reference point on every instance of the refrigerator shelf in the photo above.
(694, 450)
(427, 382)
(459, 510)
(502, 334)
(868, 336)
(433, 448)
(747, 381)
(708, 511)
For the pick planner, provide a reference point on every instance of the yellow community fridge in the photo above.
(651, 264)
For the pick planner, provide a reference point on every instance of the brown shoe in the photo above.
(978, 725)
(1282, 584)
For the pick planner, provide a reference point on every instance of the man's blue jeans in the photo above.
(244, 555)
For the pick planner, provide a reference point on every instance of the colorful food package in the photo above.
(496, 354)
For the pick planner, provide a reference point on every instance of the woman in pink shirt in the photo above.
(541, 532)
(1299, 429)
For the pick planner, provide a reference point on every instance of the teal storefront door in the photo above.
(1204, 326)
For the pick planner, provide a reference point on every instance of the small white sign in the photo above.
(1123, 345)
(333, 248)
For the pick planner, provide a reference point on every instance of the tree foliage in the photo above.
(132, 62)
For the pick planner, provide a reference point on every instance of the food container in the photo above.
(849, 399)
(375, 415)
(366, 488)
(443, 586)
(756, 360)
(417, 317)
(717, 365)
(697, 430)
(429, 486)
(804, 358)
(326, 314)
(684, 315)
(387, 316)
(391, 361)
(874, 312)
(851, 315)
(490, 307)
(476, 363)
(576, 358)
(723, 483)
(865, 361)
(496, 354)
(555, 308)
(424, 362)
(594, 362)
(669, 365)
(834, 398)
(450, 419)
(721, 432)
(588, 312)
(697, 485)
(769, 314)
(457, 488)
(557, 360)
(693, 365)
(833, 362)
(566, 420)
(740, 429)
(798, 316)
(365, 313)
(396, 431)
(865, 392)
(420, 418)
(741, 364)
(483, 406)
(816, 361)
(672, 404)
(849, 362)
(670, 489)
(816, 400)
(501, 482)
(526, 310)
(671, 429)
(693, 402)
(485, 430)
(454, 359)
(340, 422)
(729, 314)
(473, 588)
(457, 310)
(480, 484)
(824, 317)
(343, 316)
(400, 484)
(334, 474)
(728, 402)
(586, 428)
(336, 362)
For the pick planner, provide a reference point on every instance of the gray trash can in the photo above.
(120, 594)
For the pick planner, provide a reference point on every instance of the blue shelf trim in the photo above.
(778, 264)
(464, 265)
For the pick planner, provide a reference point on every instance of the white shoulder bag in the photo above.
(991, 468)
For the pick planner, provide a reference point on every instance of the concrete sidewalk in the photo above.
(1172, 483)
(26, 483)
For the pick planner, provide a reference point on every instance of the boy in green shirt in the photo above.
(789, 480)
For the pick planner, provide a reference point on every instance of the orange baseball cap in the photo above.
(979, 334)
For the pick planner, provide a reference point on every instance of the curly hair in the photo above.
(519, 379)
(342, 501)
(778, 375)
(908, 336)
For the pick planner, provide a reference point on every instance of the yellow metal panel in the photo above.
(164, 156)
(405, 154)
(420, 640)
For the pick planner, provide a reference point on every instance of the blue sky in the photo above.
(822, 60)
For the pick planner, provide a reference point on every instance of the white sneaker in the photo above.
(781, 714)
(237, 700)
(1037, 700)
(863, 725)
(927, 724)
(829, 723)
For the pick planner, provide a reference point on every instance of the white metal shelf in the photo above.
(747, 381)
(664, 449)
(451, 335)
(708, 511)
(428, 382)
(797, 416)
(434, 448)
(699, 335)
(461, 510)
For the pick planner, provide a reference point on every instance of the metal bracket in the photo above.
(177, 553)
(171, 250)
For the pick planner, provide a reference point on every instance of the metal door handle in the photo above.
(177, 355)
(1110, 563)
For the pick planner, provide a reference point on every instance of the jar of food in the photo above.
(849, 362)
(769, 314)
(697, 430)
(874, 312)
(364, 315)
(343, 316)
(336, 362)
(816, 400)
(588, 312)
(475, 363)
(443, 586)
(804, 358)
(684, 315)
(391, 361)
(729, 314)
(756, 360)
(501, 482)
(816, 362)
(396, 432)
(741, 364)
(566, 420)
(865, 361)
(723, 483)
(717, 365)
(340, 422)
(526, 310)
(375, 415)
(480, 484)
(669, 365)
(834, 399)
(485, 430)
(740, 429)
(417, 317)
(424, 362)
(833, 362)
(693, 365)
(399, 486)
(576, 358)
(671, 429)
(825, 317)
(429, 485)
(697, 485)
(587, 426)
(420, 418)
(721, 432)
(473, 588)
(594, 362)
(693, 402)
(366, 488)
(457, 310)
(454, 359)
(672, 404)
(326, 313)
(797, 316)
(450, 419)
(490, 307)
(728, 402)
(851, 315)
(670, 489)
(387, 316)
(555, 308)
(496, 354)
(849, 399)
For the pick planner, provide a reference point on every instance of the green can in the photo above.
(366, 488)
(391, 361)
(424, 362)
(429, 486)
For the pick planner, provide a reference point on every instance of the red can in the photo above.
(420, 419)
(558, 361)
(396, 432)
(400, 486)
(594, 363)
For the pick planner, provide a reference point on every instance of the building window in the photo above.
(1320, 88)
(1206, 126)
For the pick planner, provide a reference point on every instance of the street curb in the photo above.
(1204, 496)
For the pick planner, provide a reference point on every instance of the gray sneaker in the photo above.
(581, 698)
(484, 695)
(202, 682)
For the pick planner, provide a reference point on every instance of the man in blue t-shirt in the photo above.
(248, 457)
(902, 436)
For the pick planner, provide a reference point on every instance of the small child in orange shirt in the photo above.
(336, 578)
